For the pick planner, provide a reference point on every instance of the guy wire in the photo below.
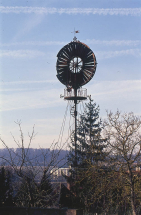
(63, 125)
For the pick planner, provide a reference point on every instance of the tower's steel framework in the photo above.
(76, 66)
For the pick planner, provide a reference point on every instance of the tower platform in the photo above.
(69, 94)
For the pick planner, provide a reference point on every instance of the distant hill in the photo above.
(34, 157)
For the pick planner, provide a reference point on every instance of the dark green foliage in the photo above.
(6, 190)
(26, 190)
(34, 194)
(45, 183)
(90, 145)
(45, 189)
(68, 198)
(90, 151)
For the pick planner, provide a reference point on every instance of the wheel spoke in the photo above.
(76, 63)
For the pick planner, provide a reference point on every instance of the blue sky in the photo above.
(32, 33)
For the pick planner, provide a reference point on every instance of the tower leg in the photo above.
(75, 132)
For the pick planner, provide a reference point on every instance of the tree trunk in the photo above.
(132, 190)
(132, 201)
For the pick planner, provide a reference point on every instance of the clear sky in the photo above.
(31, 34)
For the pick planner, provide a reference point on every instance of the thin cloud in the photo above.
(115, 87)
(38, 99)
(110, 91)
(114, 42)
(88, 41)
(72, 11)
(12, 90)
(34, 43)
(27, 82)
(117, 94)
(28, 25)
(35, 53)
(112, 54)
(20, 53)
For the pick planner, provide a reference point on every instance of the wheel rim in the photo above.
(76, 64)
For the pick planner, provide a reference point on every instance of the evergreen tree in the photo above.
(45, 189)
(90, 144)
(6, 190)
(32, 193)
(90, 156)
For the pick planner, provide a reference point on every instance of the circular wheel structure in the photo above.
(76, 64)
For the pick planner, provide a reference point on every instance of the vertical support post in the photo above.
(75, 111)
(75, 132)
(90, 122)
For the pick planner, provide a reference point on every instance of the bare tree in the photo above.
(124, 140)
(32, 185)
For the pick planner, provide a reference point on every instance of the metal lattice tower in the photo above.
(76, 66)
